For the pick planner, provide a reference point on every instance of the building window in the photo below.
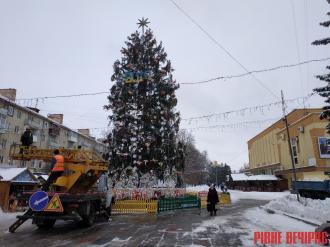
(3, 144)
(10, 111)
(294, 148)
(1, 159)
(16, 129)
(19, 114)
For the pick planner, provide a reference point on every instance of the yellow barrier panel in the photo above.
(135, 206)
(224, 199)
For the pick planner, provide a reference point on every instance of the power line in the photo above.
(233, 125)
(297, 45)
(242, 111)
(64, 96)
(257, 71)
(189, 83)
(222, 47)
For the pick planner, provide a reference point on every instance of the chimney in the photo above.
(58, 118)
(84, 132)
(9, 93)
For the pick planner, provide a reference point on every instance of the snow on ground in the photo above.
(244, 224)
(7, 216)
(257, 219)
(237, 194)
(313, 210)
(197, 188)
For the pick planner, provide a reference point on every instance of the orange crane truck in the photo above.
(79, 194)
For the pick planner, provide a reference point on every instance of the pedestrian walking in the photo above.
(212, 200)
(222, 186)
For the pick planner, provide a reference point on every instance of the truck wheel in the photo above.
(46, 224)
(88, 220)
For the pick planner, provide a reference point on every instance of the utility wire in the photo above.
(217, 43)
(257, 71)
(234, 125)
(192, 83)
(242, 110)
(66, 96)
(297, 45)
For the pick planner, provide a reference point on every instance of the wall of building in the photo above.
(271, 147)
(263, 151)
(263, 148)
(13, 121)
(308, 150)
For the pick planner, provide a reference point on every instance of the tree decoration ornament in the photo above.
(143, 23)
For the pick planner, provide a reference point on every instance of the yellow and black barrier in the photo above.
(137, 206)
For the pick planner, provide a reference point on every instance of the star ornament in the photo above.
(142, 23)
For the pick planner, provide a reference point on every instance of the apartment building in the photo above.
(269, 151)
(48, 132)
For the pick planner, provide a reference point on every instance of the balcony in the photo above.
(54, 130)
(53, 142)
(73, 138)
(3, 111)
(4, 127)
(34, 124)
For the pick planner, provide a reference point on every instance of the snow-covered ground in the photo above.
(317, 211)
(237, 194)
(267, 196)
(7, 216)
(244, 224)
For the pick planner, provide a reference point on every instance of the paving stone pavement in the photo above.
(175, 228)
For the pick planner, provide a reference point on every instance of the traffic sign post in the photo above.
(38, 201)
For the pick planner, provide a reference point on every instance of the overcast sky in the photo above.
(64, 47)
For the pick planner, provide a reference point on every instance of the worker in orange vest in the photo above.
(57, 169)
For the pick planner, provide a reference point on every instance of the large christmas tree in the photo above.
(142, 100)
(325, 91)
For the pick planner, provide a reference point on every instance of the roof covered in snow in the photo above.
(45, 177)
(239, 177)
(16, 175)
(243, 177)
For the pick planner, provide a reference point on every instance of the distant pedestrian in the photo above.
(212, 200)
(222, 186)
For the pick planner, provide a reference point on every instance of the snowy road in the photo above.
(233, 226)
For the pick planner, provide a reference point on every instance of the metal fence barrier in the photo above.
(135, 206)
(188, 201)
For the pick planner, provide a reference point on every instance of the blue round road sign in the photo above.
(38, 201)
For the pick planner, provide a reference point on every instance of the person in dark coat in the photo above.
(212, 200)
(27, 138)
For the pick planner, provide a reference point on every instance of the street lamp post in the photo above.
(216, 165)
